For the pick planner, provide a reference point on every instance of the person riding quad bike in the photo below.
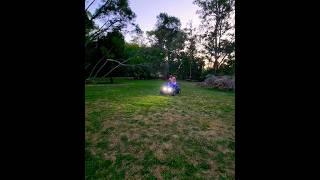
(171, 87)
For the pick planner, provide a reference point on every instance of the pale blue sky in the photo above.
(147, 11)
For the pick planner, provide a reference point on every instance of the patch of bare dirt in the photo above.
(157, 170)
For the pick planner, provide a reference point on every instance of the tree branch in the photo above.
(99, 10)
(112, 60)
(90, 4)
(120, 63)
(96, 66)
(100, 69)
(222, 61)
(94, 35)
(86, 66)
(115, 66)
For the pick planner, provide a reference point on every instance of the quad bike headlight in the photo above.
(164, 89)
(167, 89)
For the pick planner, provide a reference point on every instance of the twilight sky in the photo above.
(147, 11)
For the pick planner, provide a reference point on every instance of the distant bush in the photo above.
(219, 82)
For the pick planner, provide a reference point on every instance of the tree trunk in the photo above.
(190, 69)
(215, 66)
(166, 68)
(111, 80)
(168, 62)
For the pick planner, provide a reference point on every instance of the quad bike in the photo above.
(170, 89)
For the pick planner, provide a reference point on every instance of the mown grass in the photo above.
(134, 133)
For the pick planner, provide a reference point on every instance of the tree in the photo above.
(218, 36)
(139, 39)
(145, 61)
(191, 49)
(107, 47)
(106, 41)
(228, 67)
(168, 37)
(114, 14)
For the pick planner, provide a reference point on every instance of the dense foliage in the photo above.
(189, 53)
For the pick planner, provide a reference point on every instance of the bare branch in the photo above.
(90, 4)
(112, 60)
(86, 66)
(100, 30)
(96, 66)
(223, 60)
(99, 10)
(115, 66)
(120, 64)
(100, 69)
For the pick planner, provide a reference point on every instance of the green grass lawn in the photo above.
(132, 132)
